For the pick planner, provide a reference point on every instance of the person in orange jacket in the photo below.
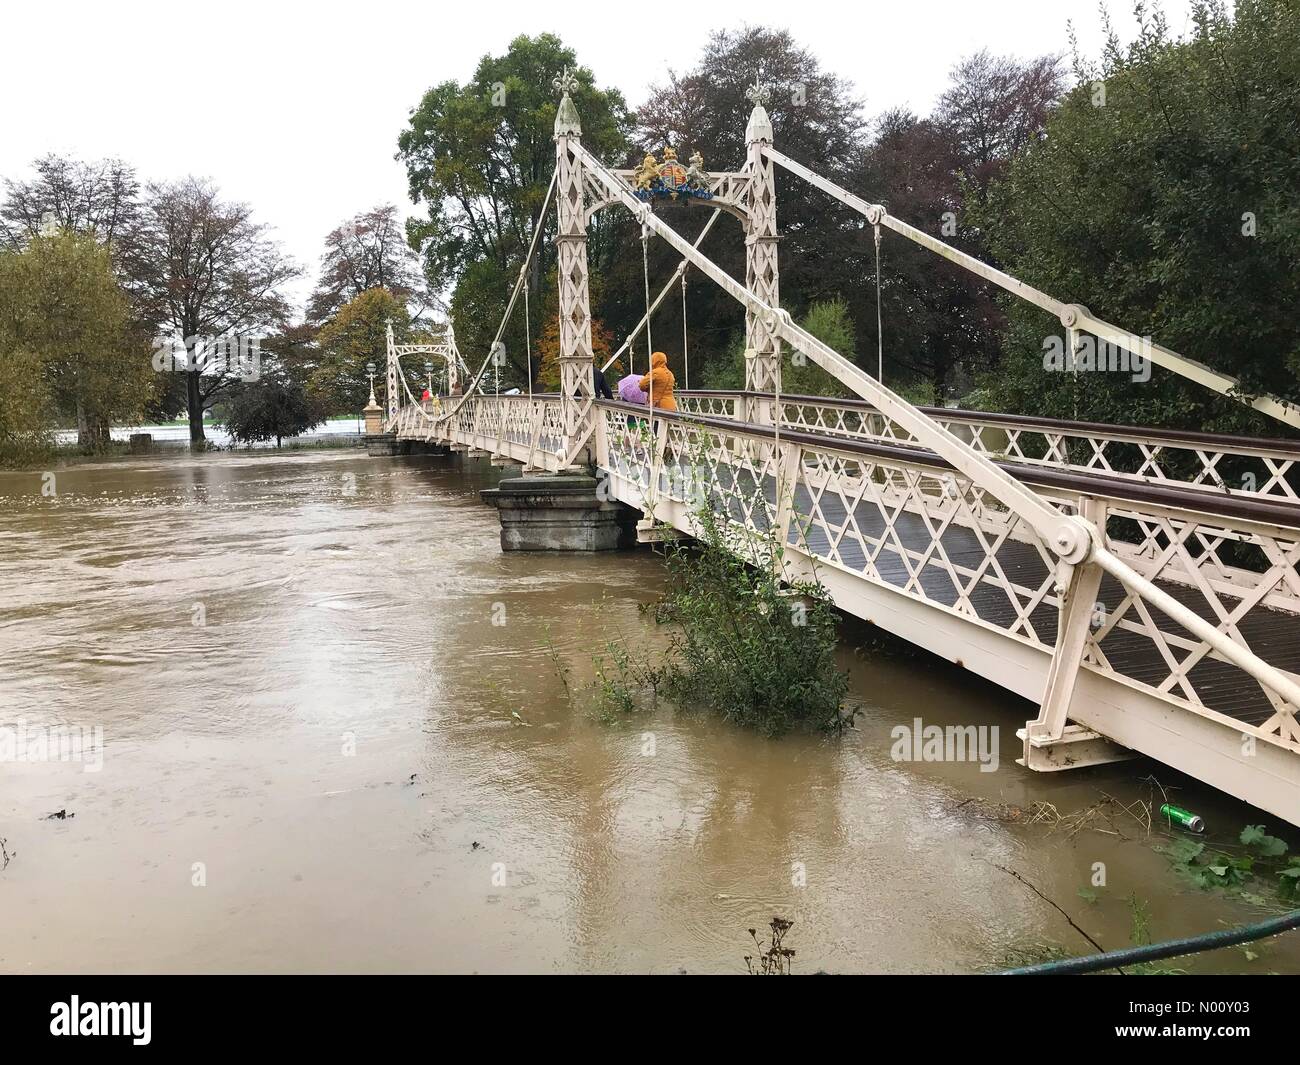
(659, 382)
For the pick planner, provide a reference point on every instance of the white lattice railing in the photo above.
(1206, 461)
(899, 517)
(527, 429)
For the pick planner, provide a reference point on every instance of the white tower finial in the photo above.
(760, 126)
(566, 116)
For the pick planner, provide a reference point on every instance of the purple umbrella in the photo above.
(629, 389)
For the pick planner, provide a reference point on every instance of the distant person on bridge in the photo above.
(659, 382)
(601, 385)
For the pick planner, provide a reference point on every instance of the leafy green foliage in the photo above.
(1212, 869)
(1140, 936)
(270, 409)
(479, 156)
(829, 322)
(623, 677)
(751, 648)
(1269, 846)
(25, 433)
(1170, 205)
(67, 345)
(1289, 879)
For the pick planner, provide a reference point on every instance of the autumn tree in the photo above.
(206, 269)
(26, 416)
(993, 108)
(367, 251)
(548, 349)
(817, 119)
(100, 198)
(941, 325)
(356, 335)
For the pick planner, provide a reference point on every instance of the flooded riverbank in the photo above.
(334, 738)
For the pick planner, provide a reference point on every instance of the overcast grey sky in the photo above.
(296, 108)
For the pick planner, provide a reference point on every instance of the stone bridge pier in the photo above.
(560, 512)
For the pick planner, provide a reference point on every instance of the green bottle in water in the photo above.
(1185, 818)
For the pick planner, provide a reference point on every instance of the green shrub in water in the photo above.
(758, 651)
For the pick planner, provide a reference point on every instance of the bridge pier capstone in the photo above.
(560, 512)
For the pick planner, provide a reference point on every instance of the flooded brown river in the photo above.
(334, 739)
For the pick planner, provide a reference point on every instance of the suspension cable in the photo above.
(1072, 315)
(686, 358)
(510, 305)
(528, 343)
(880, 336)
(649, 343)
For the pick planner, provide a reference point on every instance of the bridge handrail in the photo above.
(1275, 512)
(520, 281)
(1274, 447)
(1206, 462)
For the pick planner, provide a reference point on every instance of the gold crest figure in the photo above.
(648, 172)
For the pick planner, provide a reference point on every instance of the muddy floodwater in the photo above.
(335, 738)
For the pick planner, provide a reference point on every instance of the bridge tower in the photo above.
(391, 398)
(762, 347)
(577, 388)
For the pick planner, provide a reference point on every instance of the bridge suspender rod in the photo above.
(1067, 536)
(877, 215)
(1073, 316)
(528, 343)
(686, 355)
(680, 272)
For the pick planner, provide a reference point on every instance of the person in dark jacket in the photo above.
(602, 386)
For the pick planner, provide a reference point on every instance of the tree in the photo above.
(270, 409)
(548, 347)
(357, 334)
(993, 108)
(25, 414)
(367, 251)
(1164, 198)
(829, 322)
(99, 198)
(479, 157)
(207, 270)
(937, 319)
(64, 316)
(817, 119)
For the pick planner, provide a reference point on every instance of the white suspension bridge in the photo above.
(1113, 575)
